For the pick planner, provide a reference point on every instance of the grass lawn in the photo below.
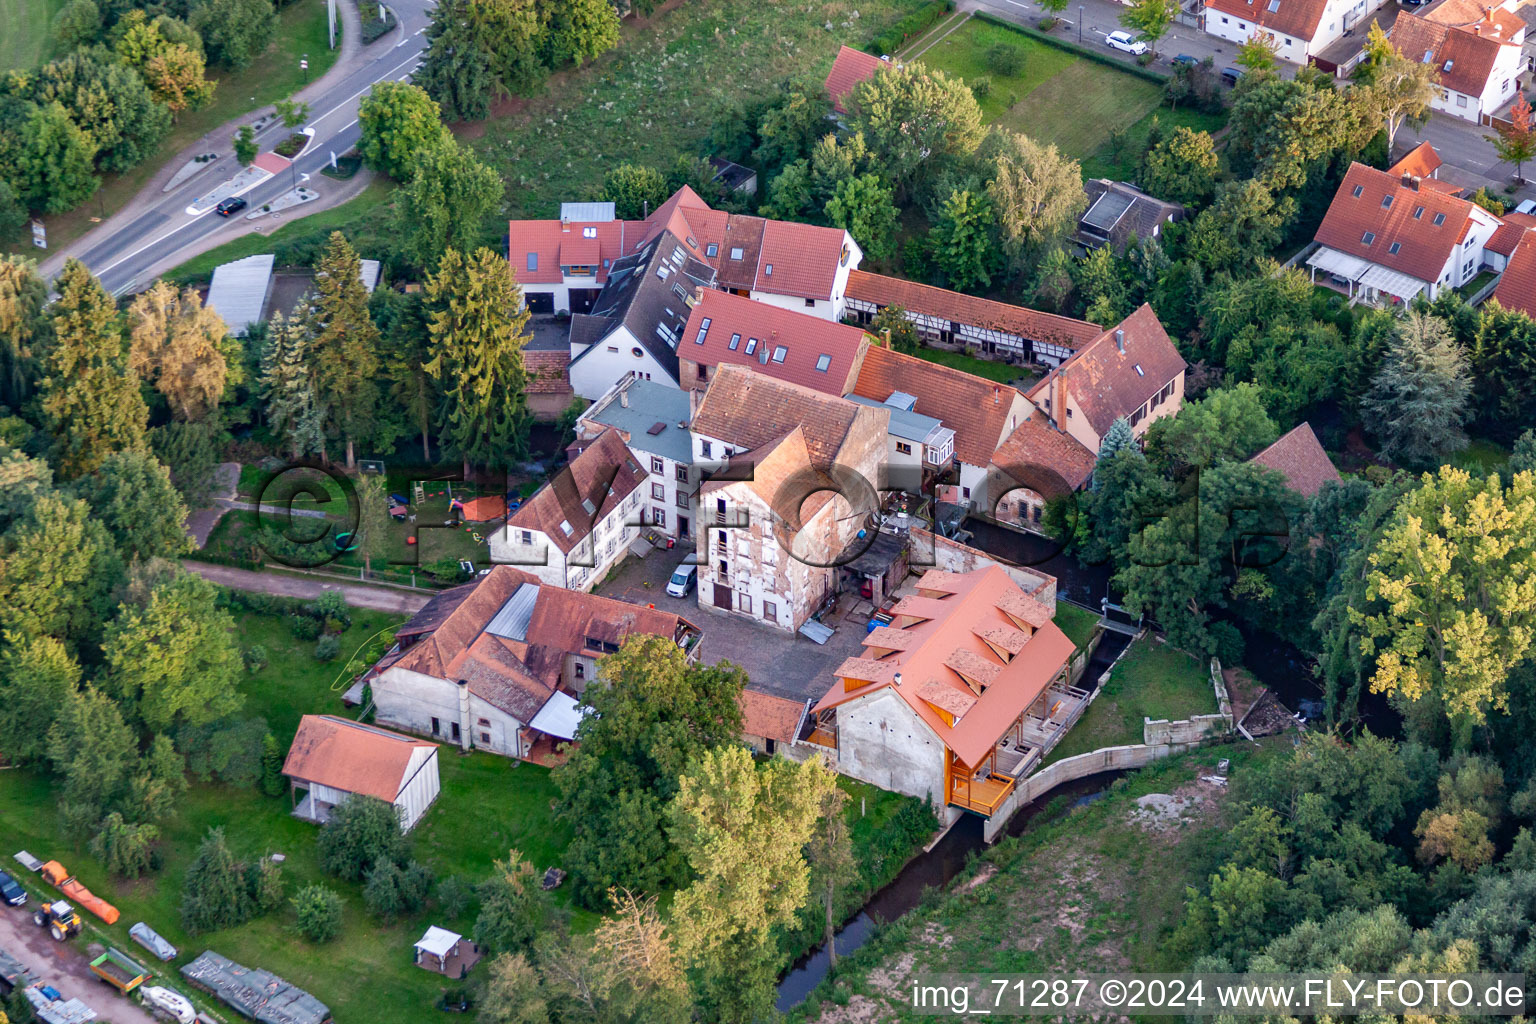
(1482, 454)
(301, 29)
(1477, 284)
(1063, 98)
(988, 368)
(28, 37)
(1153, 681)
(1076, 622)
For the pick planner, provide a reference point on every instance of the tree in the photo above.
(446, 204)
(893, 320)
(391, 890)
(1257, 55)
(835, 160)
(272, 781)
(477, 325)
(1151, 18)
(174, 663)
(579, 31)
(962, 240)
(158, 783)
(58, 567)
(909, 116)
(372, 519)
(362, 832)
(399, 123)
(512, 33)
(830, 856)
(639, 974)
(93, 749)
(344, 353)
(511, 907)
(245, 145)
(1523, 456)
(12, 213)
(1421, 395)
(132, 496)
(235, 32)
(52, 160)
(1515, 142)
(635, 190)
(24, 324)
(1183, 168)
(790, 128)
(1118, 438)
(125, 849)
(213, 895)
(38, 678)
(1102, 286)
(456, 69)
(1054, 281)
(513, 992)
(403, 349)
(288, 386)
(653, 717)
(1239, 229)
(743, 827)
(77, 24)
(1036, 194)
(90, 398)
(1452, 597)
(317, 913)
(292, 113)
(1228, 424)
(176, 77)
(180, 346)
(1400, 88)
(109, 103)
(791, 195)
(863, 206)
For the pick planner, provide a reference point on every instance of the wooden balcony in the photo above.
(982, 795)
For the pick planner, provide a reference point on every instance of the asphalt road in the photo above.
(157, 227)
(64, 965)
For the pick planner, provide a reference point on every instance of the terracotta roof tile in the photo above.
(800, 259)
(1044, 459)
(351, 757)
(1299, 457)
(782, 473)
(1408, 222)
(604, 474)
(849, 69)
(555, 244)
(804, 339)
(1517, 288)
(772, 717)
(746, 409)
(1299, 18)
(548, 370)
(1463, 58)
(968, 309)
(976, 409)
(1110, 377)
(1506, 237)
(946, 697)
(1422, 161)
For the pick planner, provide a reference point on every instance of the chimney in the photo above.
(896, 679)
(1120, 339)
(645, 209)
(997, 394)
(624, 398)
(886, 335)
(1411, 181)
(464, 715)
(565, 224)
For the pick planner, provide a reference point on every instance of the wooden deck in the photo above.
(984, 796)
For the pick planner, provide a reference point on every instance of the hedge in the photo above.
(1074, 48)
(916, 23)
(373, 26)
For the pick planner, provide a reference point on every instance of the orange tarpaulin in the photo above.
(54, 873)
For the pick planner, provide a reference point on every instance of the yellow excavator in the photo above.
(60, 919)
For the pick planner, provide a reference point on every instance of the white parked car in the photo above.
(170, 1003)
(1127, 42)
(683, 580)
(1529, 206)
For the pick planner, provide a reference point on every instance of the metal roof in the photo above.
(1107, 210)
(512, 620)
(906, 424)
(559, 716)
(239, 290)
(369, 269)
(650, 403)
(587, 213)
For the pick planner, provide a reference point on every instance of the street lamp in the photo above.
(1080, 17)
(304, 67)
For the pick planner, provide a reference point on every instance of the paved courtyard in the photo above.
(783, 664)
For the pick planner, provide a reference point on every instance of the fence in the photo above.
(1485, 291)
(1074, 48)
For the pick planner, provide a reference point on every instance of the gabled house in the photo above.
(948, 319)
(849, 69)
(1036, 464)
(1119, 214)
(652, 419)
(981, 413)
(333, 759)
(1475, 48)
(777, 342)
(580, 524)
(1517, 287)
(1299, 29)
(957, 699)
(1299, 457)
(1386, 238)
(1133, 370)
(563, 264)
(501, 664)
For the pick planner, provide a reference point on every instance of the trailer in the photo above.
(54, 874)
(117, 969)
(50, 1006)
(259, 995)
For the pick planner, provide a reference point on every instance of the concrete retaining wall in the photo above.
(1197, 727)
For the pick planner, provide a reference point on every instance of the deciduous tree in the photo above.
(94, 751)
(50, 160)
(634, 190)
(109, 103)
(372, 519)
(317, 913)
(235, 32)
(133, 497)
(1515, 142)
(57, 569)
(910, 115)
(1151, 18)
(1399, 88)
(400, 123)
(579, 31)
(962, 241)
(180, 346)
(245, 145)
(830, 855)
(511, 907)
(512, 33)
(1239, 229)
(1183, 168)
(23, 324)
(447, 202)
(362, 832)
(864, 207)
(37, 679)
(1036, 195)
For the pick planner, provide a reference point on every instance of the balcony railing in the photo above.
(982, 795)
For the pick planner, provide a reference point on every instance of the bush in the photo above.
(328, 647)
(1005, 60)
(918, 21)
(255, 658)
(455, 895)
(392, 890)
(214, 893)
(981, 88)
(362, 832)
(318, 910)
(125, 849)
(1228, 643)
(264, 884)
(272, 781)
(303, 627)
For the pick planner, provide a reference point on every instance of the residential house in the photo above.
(1119, 213)
(562, 264)
(652, 419)
(1299, 29)
(1386, 238)
(849, 69)
(549, 382)
(957, 699)
(1517, 287)
(734, 177)
(1036, 464)
(948, 319)
(580, 524)
(333, 759)
(981, 413)
(1501, 246)
(501, 664)
(1476, 48)
(777, 342)
(1299, 457)
(769, 722)
(1133, 370)
(921, 448)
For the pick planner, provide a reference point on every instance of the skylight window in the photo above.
(1439, 219)
(1395, 248)
(751, 345)
(737, 252)
(1386, 202)
(1368, 238)
(735, 342)
(588, 507)
(589, 232)
(1139, 371)
(1274, 5)
(779, 354)
(565, 527)
(1359, 191)
(711, 250)
(768, 270)
(822, 362)
(703, 330)
(1418, 212)
(533, 261)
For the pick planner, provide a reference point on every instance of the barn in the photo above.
(333, 759)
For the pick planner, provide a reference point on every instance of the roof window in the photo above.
(1139, 371)
(768, 270)
(533, 261)
(822, 362)
(588, 507)
(589, 232)
(751, 345)
(565, 527)
(735, 342)
(1418, 212)
(1368, 238)
(1359, 191)
(711, 250)
(1395, 248)
(1274, 5)
(692, 244)
(779, 353)
(677, 254)
(1439, 219)
(737, 252)
(703, 330)
(1386, 202)
(662, 270)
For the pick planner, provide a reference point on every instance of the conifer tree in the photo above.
(1421, 396)
(1118, 438)
(345, 351)
(288, 388)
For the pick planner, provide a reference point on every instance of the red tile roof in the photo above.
(782, 472)
(774, 718)
(1044, 459)
(849, 69)
(976, 409)
(559, 244)
(805, 339)
(1298, 18)
(1463, 58)
(351, 757)
(947, 633)
(1299, 457)
(1506, 237)
(968, 309)
(800, 259)
(1517, 288)
(1408, 222)
(548, 370)
(603, 474)
(1422, 161)
(747, 409)
(1116, 373)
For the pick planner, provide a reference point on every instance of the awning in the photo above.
(559, 717)
(1342, 264)
(438, 941)
(1391, 282)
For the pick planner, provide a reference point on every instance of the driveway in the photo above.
(358, 595)
(65, 966)
(783, 664)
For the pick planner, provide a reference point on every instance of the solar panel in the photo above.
(1107, 209)
(512, 620)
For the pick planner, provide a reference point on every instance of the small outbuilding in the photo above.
(333, 759)
(445, 952)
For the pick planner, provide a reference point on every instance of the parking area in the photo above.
(783, 664)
